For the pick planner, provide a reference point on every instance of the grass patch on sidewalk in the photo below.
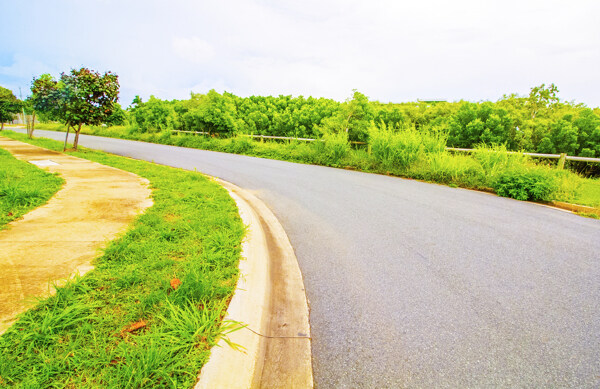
(23, 187)
(149, 312)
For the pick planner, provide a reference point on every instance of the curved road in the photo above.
(420, 285)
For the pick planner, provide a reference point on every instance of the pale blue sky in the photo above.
(390, 50)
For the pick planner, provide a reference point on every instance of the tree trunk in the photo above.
(2, 128)
(76, 141)
(67, 137)
(32, 126)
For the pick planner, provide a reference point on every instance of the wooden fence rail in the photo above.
(561, 157)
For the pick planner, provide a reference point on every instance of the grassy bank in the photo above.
(589, 194)
(149, 312)
(23, 187)
(404, 153)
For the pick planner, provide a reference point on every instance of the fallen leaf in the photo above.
(134, 327)
(175, 282)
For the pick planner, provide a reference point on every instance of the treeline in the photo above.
(539, 122)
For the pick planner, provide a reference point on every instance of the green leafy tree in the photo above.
(45, 98)
(353, 117)
(89, 98)
(588, 125)
(541, 98)
(9, 105)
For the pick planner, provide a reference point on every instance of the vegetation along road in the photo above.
(420, 285)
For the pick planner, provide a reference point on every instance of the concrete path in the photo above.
(420, 285)
(54, 241)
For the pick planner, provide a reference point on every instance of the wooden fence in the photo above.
(561, 157)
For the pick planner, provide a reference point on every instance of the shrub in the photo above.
(240, 145)
(533, 183)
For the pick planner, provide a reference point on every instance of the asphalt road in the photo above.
(419, 285)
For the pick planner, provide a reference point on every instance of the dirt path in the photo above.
(52, 242)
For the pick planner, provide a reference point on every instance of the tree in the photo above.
(118, 117)
(353, 117)
(87, 98)
(540, 98)
(9, 105)
(45, 97)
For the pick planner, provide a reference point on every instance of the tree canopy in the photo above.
(9, 105)
(81, 97)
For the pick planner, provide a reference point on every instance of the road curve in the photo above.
(420, 285)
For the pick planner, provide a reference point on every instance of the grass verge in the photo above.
(589, 194)
(149, 312)
(403, 153)
(23, 187)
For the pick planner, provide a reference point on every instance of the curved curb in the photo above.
(270, 300)
(575, 207)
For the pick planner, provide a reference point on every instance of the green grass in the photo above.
(23, 187)
(79, 337)
(589, 194)
(406, 153)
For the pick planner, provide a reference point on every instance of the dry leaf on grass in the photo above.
(175, 282)
(133, 327)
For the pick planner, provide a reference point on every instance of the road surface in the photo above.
(420, 285)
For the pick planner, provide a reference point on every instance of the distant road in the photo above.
(420, 285)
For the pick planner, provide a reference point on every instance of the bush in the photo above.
(534, 183)
(240, 145)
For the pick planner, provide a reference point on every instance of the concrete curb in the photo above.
(575, 207)
(270, 300)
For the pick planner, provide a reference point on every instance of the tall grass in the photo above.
(399, 149)
(455, 170)
(335, 147)
(495, 159)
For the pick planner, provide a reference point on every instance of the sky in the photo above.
(392, 51)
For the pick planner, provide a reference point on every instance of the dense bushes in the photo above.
(535, 184)
(536, 123)
(407, 139)
(404, 152)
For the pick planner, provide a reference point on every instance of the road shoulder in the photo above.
(271, 301)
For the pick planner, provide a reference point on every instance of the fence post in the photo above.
(561, 160)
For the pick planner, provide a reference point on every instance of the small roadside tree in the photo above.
(88, 98)
(9, 105)
(80, 97)
(45, 98)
